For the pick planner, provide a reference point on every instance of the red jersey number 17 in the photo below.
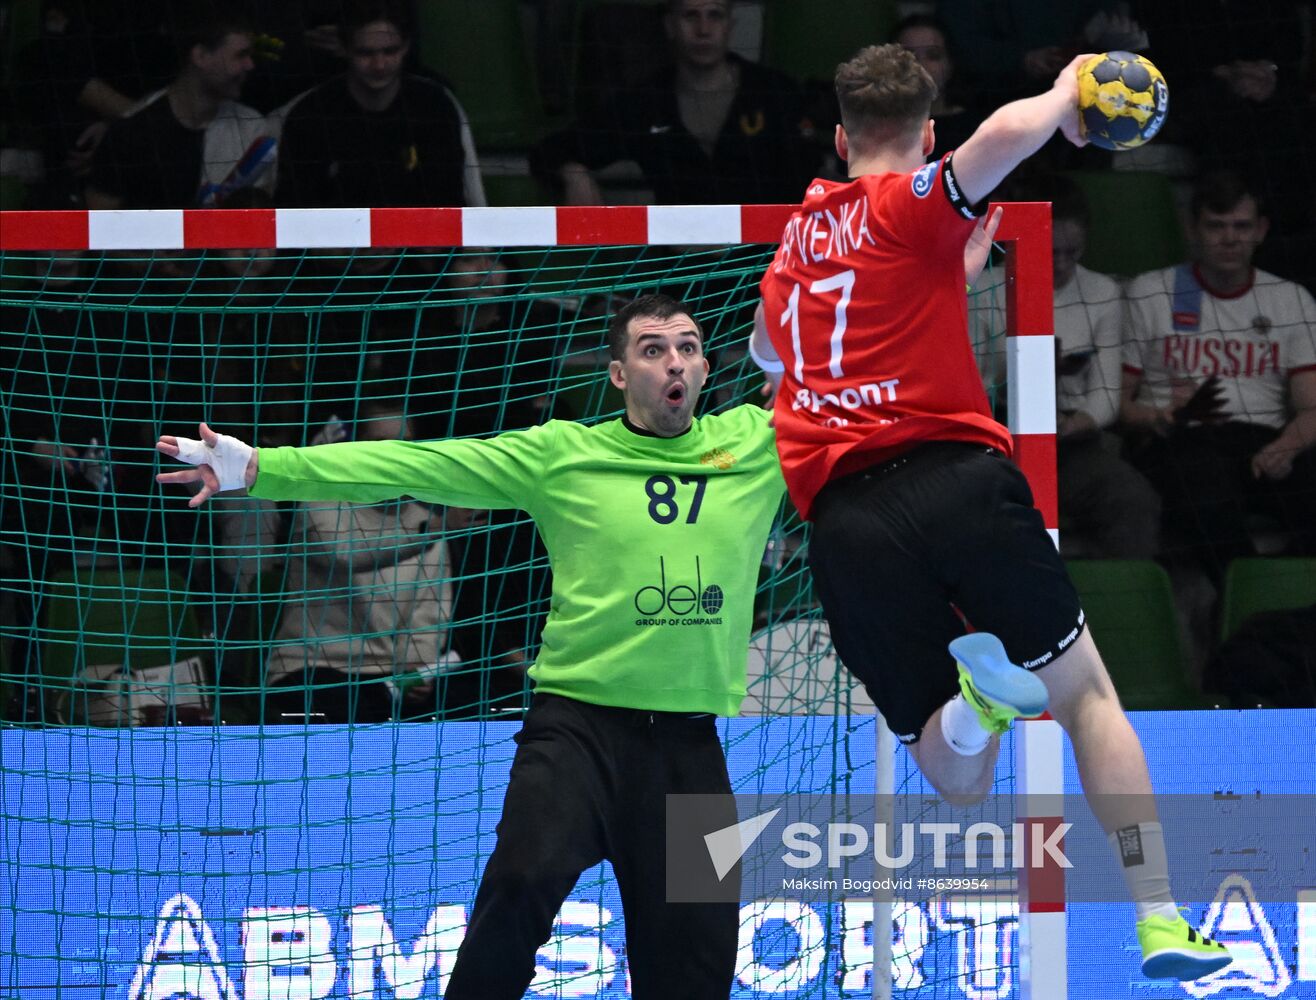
(842, 282)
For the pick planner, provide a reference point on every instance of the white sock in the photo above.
(1140, 851)
(962, 728)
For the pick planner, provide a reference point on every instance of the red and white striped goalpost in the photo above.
(1039, 745)
(1025, 233)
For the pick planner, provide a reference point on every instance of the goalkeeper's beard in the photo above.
(665, 418)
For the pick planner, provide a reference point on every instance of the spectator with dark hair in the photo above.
(378, 135)
(926, 37)
(191, 143)
(711, 128)
(1108, 503)
(1220, 378)
(86, 68)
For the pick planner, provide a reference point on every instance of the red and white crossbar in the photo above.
(300, 228)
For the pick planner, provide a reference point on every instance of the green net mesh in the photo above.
(201, 780)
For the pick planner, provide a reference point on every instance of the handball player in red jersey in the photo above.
(919, 516)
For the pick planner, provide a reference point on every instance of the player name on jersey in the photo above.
(826, 234)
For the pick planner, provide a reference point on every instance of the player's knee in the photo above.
(963, 798)
(961, 789)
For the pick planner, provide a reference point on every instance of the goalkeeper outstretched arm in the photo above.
(221, 463)
(498, 473)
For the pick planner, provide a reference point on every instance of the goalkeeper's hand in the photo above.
(222, 463)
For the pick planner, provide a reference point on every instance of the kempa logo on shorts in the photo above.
(809, 845)
(1061, 646)
(683, 602)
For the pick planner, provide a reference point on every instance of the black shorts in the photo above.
(907, 552)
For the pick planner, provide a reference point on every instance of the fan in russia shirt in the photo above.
(865, 305)
(1252, 340)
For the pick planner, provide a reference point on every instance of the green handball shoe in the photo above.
(1172, 949)
(999, 691)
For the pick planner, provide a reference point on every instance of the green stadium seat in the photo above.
(482, 50)
(93, 617)
(1135, 222)
(1270, 584)
(1130, 609)
(807, 40)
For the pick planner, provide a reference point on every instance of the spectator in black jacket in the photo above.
(712, 127)
(377, 135)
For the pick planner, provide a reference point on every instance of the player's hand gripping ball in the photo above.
(1122, 100)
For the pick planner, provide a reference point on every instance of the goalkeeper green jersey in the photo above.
(655, 543)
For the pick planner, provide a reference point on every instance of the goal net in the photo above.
(258, 750)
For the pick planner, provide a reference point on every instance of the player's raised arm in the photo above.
(222, 463)
(1016, 131)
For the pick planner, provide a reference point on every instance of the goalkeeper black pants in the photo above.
(588, 783)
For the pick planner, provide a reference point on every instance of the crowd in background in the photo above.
(1170, 447)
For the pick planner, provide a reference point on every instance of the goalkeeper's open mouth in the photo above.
(675, 394)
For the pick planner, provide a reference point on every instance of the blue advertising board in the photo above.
(295, 864)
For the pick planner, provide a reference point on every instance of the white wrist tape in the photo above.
(773, 366)
(228, 459)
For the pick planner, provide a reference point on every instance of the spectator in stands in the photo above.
(1015, 47)
(1192, 43)
(1235, 71)
(712, 128)
(191, 143)
(925, 36)
(85, 68)
(377, 135)
(1220, 379)
(1106, 502)
(368, 603)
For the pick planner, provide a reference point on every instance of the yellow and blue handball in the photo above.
(1122, 100)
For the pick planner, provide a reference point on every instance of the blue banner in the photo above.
(294, 864)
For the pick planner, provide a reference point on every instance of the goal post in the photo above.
(342, 316)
